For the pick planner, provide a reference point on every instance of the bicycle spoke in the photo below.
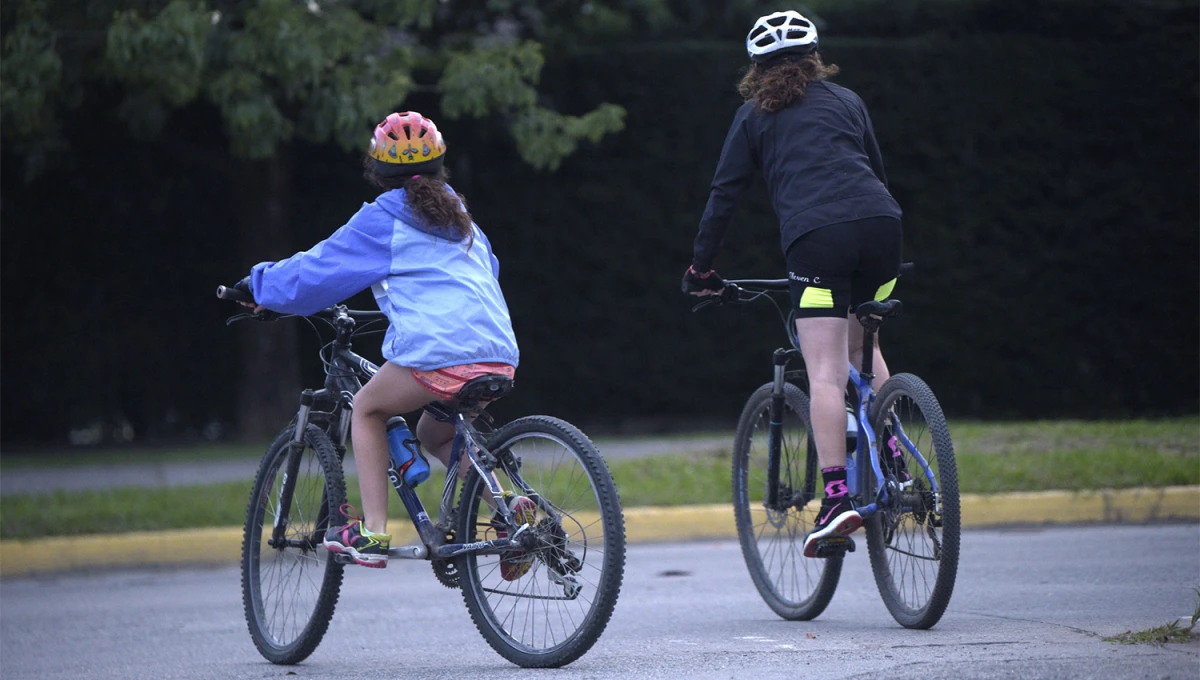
(289, 590)
(542, 609)
(914, 559)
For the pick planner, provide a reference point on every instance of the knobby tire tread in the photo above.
(927, 616)
(614, 546)
(816, 603)
(335, 488)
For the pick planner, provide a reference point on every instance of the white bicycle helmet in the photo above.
(781, 33)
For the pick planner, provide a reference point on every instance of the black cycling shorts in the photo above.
(835, 268)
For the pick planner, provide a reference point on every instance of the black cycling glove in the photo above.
(695, 283)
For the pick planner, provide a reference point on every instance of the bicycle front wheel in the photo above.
(914, 538)
(546, 606)
(795, 587)
(290, 586)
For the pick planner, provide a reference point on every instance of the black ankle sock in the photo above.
(835, 483)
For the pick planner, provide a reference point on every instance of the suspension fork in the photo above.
(775, 438)
(295, 450)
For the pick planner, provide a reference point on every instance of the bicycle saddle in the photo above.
(878, 311)
(485, 388)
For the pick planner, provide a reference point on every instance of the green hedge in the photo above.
(1049, 189)
(1045, 155)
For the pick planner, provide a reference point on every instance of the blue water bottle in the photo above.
(405, 451)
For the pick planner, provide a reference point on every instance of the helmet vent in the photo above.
(781, 31)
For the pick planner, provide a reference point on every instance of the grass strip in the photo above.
(991, 459)
(28, 459)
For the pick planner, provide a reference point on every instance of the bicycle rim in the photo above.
(290, 591)
(525, 605)
(795, 587)
(914, 539)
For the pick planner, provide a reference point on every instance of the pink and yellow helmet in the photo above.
(409, 140)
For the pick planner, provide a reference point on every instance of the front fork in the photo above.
(283, 504)
(775, 438)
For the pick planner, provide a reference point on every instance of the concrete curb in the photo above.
(642, 525)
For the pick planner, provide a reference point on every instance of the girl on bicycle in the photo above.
(814, 145)
(435, 278)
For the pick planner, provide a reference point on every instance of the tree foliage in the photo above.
(320, 70)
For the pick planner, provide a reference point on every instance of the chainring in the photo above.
(446, 571)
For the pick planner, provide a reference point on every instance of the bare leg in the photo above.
(824, 346)
(438, 439)
(855, 339)
(391, 391)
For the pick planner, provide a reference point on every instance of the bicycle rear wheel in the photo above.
(795, 587)
(914, 540)
(546, 607)
(289, 589)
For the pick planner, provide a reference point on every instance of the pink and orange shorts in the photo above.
(446, 382)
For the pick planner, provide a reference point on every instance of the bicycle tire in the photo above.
(505, 611)
(804, 592)
(282, 637)
(903, 543)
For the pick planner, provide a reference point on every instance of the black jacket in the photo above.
(819, 158)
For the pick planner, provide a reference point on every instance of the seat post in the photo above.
(868, 354)
(872, 315)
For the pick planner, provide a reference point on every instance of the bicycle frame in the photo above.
(345, 377)
(466, 440)
(866, 448)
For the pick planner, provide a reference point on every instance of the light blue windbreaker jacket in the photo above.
(442, 298)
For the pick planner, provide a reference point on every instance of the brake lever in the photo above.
(264, 315)
(712, 300)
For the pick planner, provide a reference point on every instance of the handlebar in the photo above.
(238, 295)
(782, 284)
(744, 290)
(233, 294)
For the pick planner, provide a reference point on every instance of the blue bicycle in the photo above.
(540, 590)
(900, 473)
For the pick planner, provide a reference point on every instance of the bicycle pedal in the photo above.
(341, 558)
(835, 546)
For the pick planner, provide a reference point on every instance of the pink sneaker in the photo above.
(514, 565)
(837, 517)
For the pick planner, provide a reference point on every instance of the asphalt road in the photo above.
(1028, 604)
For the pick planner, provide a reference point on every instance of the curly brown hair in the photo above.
(435, 205)
(776, 84)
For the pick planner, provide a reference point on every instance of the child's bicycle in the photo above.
(911, 520)
(540, 592)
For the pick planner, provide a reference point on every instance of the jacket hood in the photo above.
(395, 203)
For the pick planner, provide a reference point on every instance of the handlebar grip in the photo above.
(231, 293)
(731, 292)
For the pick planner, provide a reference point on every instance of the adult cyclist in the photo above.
(840, 229)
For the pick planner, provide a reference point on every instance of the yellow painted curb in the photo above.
(642, 525)
(1069, 507)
